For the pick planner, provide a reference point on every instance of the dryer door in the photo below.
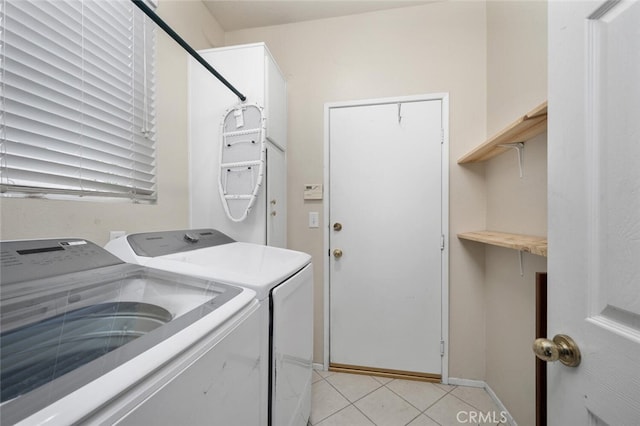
(292, 351)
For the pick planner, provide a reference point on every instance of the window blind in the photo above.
(77, 99)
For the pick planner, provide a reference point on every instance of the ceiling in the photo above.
(240, 14)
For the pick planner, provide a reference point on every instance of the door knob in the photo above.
(337, 226)
(562, 348)
(337, 253)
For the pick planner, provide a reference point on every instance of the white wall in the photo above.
(35, 218)
(516, 83)
(434, 48)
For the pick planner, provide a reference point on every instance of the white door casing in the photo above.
(386, 179)
(276, 199)
(594, 210)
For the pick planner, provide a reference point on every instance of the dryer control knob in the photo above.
(192, 238)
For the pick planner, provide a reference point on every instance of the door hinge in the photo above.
(442, 242)
(441, 136)
(441, 347)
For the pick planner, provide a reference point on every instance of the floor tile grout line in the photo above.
(364, 396)
(401, 397)
(381, 385)
(469, 403)
(325, 418)
(423, 414)
(431, 405)
(364, 414)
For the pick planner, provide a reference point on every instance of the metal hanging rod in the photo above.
(167, 29)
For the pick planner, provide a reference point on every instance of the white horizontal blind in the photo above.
(78, 99)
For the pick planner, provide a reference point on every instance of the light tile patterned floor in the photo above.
(340, 399)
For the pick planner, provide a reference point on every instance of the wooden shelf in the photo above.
(529, 125)
(526, 243)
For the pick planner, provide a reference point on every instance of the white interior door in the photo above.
(385, 192)
(594, 210)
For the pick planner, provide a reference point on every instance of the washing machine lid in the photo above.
(74, 316)
(210, 253)
(253, 266)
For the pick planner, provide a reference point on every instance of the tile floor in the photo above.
(340, 399)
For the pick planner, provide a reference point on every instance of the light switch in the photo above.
(313, 191)
(314, 220)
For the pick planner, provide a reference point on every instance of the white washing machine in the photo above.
(86, 338)
(283, 282)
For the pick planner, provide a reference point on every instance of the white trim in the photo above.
(325, 246)
(444, 294)
(444, 98)
(453, 381)
(500, 405)
(483, 385)
(318, 367)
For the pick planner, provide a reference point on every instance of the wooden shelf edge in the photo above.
(527, 243)
(525, 127)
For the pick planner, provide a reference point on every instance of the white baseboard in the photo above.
(482, 384)
(500, 405)
(466, 382)
(317, 366)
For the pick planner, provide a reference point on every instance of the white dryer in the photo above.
(283, 282)
(88, 339)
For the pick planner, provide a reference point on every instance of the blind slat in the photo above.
(18, 125)
(62, 174)
(23, 143)
(75, 99)
(26, 179)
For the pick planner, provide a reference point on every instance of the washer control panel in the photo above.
(153, 244)
(35, 259)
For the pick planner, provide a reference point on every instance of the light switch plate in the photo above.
(314, 220)
(313, 191)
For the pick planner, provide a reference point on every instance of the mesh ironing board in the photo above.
(242, 158)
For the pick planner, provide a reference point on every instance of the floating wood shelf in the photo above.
(529, 125)
(526, 243)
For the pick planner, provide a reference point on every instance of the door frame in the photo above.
(444, 194)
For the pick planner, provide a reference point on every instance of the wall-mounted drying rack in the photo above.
(167, 29)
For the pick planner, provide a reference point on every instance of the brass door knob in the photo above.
(337, 253)
(562, 348)
(337, 226)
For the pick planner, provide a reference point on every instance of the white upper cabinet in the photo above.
(252, 71)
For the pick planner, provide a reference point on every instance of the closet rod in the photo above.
(167, 29)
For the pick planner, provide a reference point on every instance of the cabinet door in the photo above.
(275, 103)
(276, 197)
